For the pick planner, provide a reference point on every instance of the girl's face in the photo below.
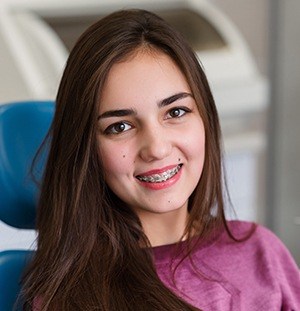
(151, 136)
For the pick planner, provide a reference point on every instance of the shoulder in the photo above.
(263, 247)
(272, 261)
(257, 235)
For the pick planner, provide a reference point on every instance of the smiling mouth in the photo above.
(158, 178)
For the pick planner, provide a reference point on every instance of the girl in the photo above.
(131, 213)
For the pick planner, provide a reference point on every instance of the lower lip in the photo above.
(161, 185)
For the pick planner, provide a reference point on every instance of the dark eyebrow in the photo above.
(173, 98)
(132, 112)
(117, 113)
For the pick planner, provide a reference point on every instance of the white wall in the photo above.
(284, 142)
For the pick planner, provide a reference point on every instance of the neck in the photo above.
(165, 228)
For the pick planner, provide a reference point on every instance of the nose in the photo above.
(156, 144)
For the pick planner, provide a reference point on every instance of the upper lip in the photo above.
(158, 171)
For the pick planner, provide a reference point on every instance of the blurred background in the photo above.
(249, 50)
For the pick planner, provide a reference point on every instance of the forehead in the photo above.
(144, 76)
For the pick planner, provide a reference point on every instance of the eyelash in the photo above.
(184, 109)
(111, 130)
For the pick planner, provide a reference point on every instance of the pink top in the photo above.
(258, 274)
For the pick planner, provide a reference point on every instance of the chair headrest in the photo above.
(23, 127)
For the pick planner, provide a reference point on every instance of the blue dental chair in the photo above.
(23, 127)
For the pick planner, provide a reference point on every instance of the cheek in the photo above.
(200, 146)
(115, 159)
(195, 142)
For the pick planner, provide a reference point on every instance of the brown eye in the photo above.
(177, 112)
(118, 128)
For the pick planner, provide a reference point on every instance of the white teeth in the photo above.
(157, 178)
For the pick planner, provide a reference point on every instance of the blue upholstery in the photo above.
(23, 127)
(12, 264)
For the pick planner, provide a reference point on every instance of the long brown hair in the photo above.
(89, 254)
